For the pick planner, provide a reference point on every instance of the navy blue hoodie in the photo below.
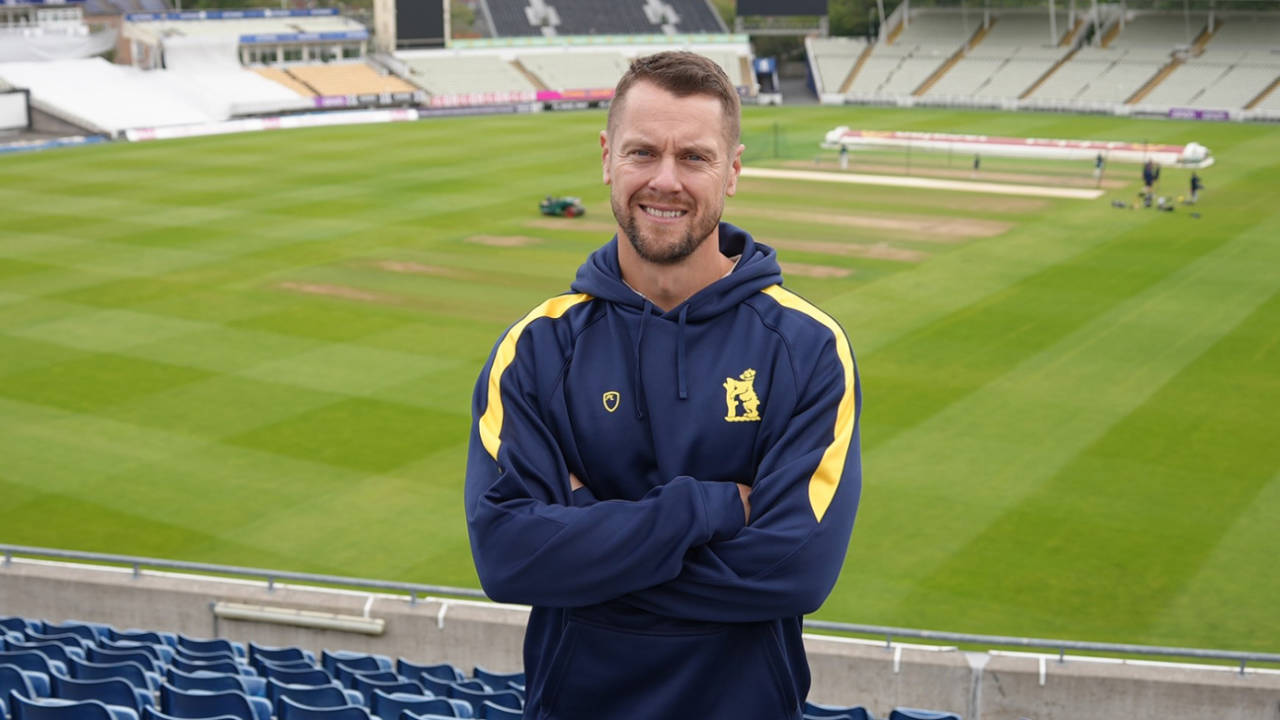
(651, 596)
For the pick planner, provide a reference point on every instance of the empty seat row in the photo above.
(138, 674)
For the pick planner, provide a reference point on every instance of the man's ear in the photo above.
(735, 169)
(604, 156)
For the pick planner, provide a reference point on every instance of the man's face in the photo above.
(669, 167)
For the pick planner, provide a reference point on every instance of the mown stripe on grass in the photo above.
(960, 470)
(1132, 518)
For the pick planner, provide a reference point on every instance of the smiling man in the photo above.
(665, 462)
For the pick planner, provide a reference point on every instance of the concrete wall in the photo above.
(980, 686)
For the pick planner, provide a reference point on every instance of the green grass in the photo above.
(1068, 425)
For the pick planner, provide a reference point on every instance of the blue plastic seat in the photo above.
(307, 676)
(854, 712)
(366, 686)
(210, 645)
(52, 651)
(150, 637)
(14, 679)
(280, 654)
(322, 696)
(21, 708)
(461, 709)
(435, 685)
(490, 711)
(150, 713)
(216, 682)
(356, 661)
(264, 666)
(390, 706)
(65, 639)
(200, 704)
(89, 632)
(107, 656)
(159, 652)
(20, 624)
(112, 691)
(476, 697)
(200, 657)
(290, 710)
(130, 672)
(905, 713)
(33, 662)
(497, 681)
(220, 666)
(440, 671)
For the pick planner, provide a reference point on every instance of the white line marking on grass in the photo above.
(924, 183)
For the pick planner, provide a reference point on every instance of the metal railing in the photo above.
(414, 590)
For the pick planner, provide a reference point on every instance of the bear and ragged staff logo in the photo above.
(740, 398)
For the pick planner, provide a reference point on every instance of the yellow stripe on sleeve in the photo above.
(825, 480)
(491, 421)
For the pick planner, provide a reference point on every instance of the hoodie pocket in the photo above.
(716, 671)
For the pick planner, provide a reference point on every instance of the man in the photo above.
(665, 462)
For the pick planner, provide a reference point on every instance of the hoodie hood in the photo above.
(757, 268)
(601, 277)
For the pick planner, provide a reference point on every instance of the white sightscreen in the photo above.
(13, 109)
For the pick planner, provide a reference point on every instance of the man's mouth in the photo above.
(662, 213)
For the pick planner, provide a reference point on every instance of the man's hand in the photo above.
(744, 492)
(574, 482)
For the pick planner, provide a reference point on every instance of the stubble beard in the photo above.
(701, 227)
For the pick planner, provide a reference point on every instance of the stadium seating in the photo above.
(576, 71)
(290, 710)
(834, 712)
(497, 681)
(834, 59)
(441, 671)
(13, 679)
(350, 78)
(199, 704)
(109, 692)
(903, 713)
(600, 17)
(21, 708)
(928, 40)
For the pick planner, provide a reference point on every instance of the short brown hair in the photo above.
(682, 73)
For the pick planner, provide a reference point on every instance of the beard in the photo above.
(653, 250)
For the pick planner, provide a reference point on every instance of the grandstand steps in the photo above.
(283, 78)
(528, 75)
(309, 87)
(1197, 47)
(1074, 32)
(1264, 94)
(1154, 82)
(1047, 74)
(943, 69)
(1110, 35)
(895, 32)
(853, 72)
(748, 72)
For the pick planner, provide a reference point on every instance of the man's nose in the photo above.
(666, 177)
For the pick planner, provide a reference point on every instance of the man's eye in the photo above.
(641, 153)
(695, 157)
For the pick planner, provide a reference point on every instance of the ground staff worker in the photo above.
(665, 462)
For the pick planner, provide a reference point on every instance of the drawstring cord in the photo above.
(682, 386)
(638, 381)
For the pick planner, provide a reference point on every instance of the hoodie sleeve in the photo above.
(533, 540)
(803, 501)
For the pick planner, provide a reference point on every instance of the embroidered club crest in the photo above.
(742, 403)
(611, 400)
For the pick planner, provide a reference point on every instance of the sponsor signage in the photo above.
(219, 14)
(304, 37)
(1195, 114)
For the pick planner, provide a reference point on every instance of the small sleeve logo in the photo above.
(742, 402)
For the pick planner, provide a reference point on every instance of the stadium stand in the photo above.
(566, 70)
(1012, 55)
(31, 31)
(833, 59)
(1234, 67)
(1116, 71)
(901, 66)
(515, 18)
(369, 689)
(454, 73)
(347, 79)
(89, 93)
